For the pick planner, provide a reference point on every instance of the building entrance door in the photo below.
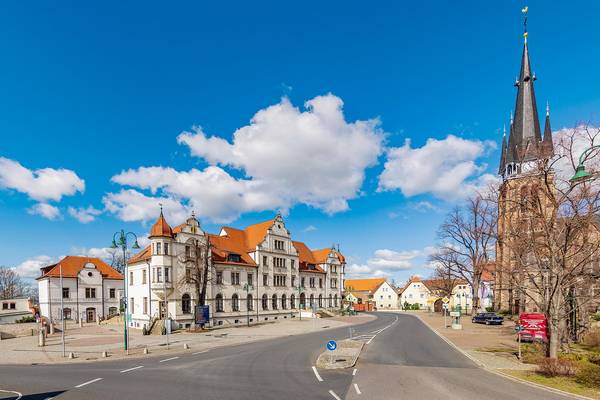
(163, 309)
(90, 314)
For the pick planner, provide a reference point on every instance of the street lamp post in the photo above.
(247, 288)
(121, 242)
(580, 172)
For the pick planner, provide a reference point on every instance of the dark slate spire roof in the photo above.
(548, 143)
(526, 132)
(503, 155)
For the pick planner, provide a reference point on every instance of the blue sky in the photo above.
(99, 89)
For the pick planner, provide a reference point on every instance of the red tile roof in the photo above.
(363, 285)
(143, 255)
(71, 265)
(161, 228)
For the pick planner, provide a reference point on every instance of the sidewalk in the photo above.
(89, 342)
(494, 346)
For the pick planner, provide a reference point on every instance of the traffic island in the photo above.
(344, 356)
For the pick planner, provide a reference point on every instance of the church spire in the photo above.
(503, 154)
(548, 143)
(525, 134)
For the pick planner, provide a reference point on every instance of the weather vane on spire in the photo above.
(525, 10)
(160, 205)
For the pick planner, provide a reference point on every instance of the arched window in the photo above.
(335, 304)
(249, 302)
(302, 301)
(283, 302)
(293, 301)
(186, 304)
(320, 300)
(66, 313)
(524, 197)
(265, 302)
(329, 304)
(112, 311)
(274, 302)
(219, 303)
(312, 300)
(235, 303)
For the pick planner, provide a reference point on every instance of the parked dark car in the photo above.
(488, 319)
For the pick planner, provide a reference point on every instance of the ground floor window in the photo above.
(265, 302)
(335, 300)
(235, 303)
(293, 301)
(302, 301)
(320, 301)
(249, 302)
(66, 313)
(283, 302)
(274, 302)
(219, 303)
(186, 304)
(112, 311)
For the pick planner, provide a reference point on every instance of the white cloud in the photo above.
(386, 262)
(42, 184)
(131, 205)
(286, 156)
(424, 207)
(446, 168)
(84, 215)
(45, 210)
(310, 228)
(31, 268)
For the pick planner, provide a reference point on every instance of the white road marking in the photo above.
(381, 330)
(317, 374)
(169, 359)
(199, 352)
(335, 396)
(354, 372)
(88, 382)
(131, 369)
(357, 389)
(19, 395)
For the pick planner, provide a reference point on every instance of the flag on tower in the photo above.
(525, 9)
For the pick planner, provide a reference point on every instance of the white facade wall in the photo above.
(415, 292)
(385, 297)
(79, 303)
(12, 310)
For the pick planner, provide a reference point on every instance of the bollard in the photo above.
(71, 355)
(186, 346)
(52, 328)
(41, 338)
(81, 322)
(98, 319)
(104, 354)
(146, 350)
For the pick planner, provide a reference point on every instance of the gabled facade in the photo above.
(257, 274)
(376, 291)
(90, 290)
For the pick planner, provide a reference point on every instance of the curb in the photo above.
(502, 374)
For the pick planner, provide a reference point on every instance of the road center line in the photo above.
(357, 389)
(317, 374)
(88, 382)
(335, 396)
(354, 372)
(131, 369)
(381, 330)
(19, 395)
(169, 359)
(200, 352)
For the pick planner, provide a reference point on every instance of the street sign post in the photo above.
(331, 346)
(519, 328)
(445, 302)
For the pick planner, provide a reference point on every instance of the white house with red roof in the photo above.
(90, 289)
(257, 274)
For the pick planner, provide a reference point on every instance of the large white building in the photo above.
(256, 274)
(90, 289)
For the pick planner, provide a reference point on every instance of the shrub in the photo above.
(596, 316)
(594, 358)
(589, 375)
(29, 318)
(489, 309)
(415, 306)
(504, 312)
(552, 367)
(592, 338)
(406, 305)
(533, 353)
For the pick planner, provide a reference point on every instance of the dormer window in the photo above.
(312, 267)
(234, 258)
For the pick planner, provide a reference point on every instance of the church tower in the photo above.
(520, 156)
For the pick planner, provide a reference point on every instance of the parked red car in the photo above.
(535, 327)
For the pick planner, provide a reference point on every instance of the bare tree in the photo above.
(116, 259)
(198, 263)
(549, 237)
(11, 285)
(467, 241)
(443, 280)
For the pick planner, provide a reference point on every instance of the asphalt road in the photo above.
(403, 359)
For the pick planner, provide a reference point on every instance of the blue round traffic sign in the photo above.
(331, 345)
